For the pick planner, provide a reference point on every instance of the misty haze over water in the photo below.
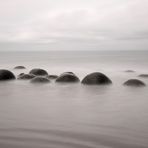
(74, 115)
(79, 36)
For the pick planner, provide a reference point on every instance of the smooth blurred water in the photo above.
(73, 115)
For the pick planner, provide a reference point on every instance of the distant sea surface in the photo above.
(73, 115)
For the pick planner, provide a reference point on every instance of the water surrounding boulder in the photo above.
(67, 77)
(40, 79)
(144, 75)
(19, 67)
(23, 76)
(6, 75)
(52, 76)
(96, 78)
(134, 83)
(38, 72)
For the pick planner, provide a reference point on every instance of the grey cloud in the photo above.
(78, 22)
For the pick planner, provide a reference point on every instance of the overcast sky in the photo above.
(75, 24)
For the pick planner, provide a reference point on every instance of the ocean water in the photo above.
(74, 115)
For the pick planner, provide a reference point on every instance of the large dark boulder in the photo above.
(40, 79)
(38, 72)
(67, 78)
(23, 76)
(19, 67)
(135, 83)
(143, 75)
(96, 78)
(6, 75)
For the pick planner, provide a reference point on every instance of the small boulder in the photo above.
(134, 83)
(67, 78)
(52, 76)
(23, 76)
(19, 67)
(143, 75)
(6, 75)
(67, 73)
(96, 78)
(38, 72)
(130, 71)
(40, 79)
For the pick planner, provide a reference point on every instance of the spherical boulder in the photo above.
(67, 78)
(38, 72)
(67, 73)
(143, 75)
(19, 67)
(52, 76)
(96, 78)
(40, 79)
(6, 75)
(23, 76)
(134, 83)
(130, 71)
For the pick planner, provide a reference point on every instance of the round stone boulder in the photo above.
(96, 78)
(19, 67)
(129, 71)
(67, 73)
(134, 83)
(6, 75)
(67, 78)
(52, 76)
(23, 76)
(38, 72)
(143, 75)
(40, 79)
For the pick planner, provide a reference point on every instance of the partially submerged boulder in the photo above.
(6, 75)
(134, 83)
(67, 73)
(52, 76)
(40, 79)
(23, 76)
(143, 75)
(38, 72)
(20, 67)
(130, 71)
(67, 78)
(96, 78)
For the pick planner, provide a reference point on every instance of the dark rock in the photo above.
(40, 79)
(144, 75)
(19, 67)
(6, 75)
(67, 73)
(23, 76)
(67, 77)
(130, 71)
(38, 72)
(96, 78)
(52, 76)
(135, 83)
